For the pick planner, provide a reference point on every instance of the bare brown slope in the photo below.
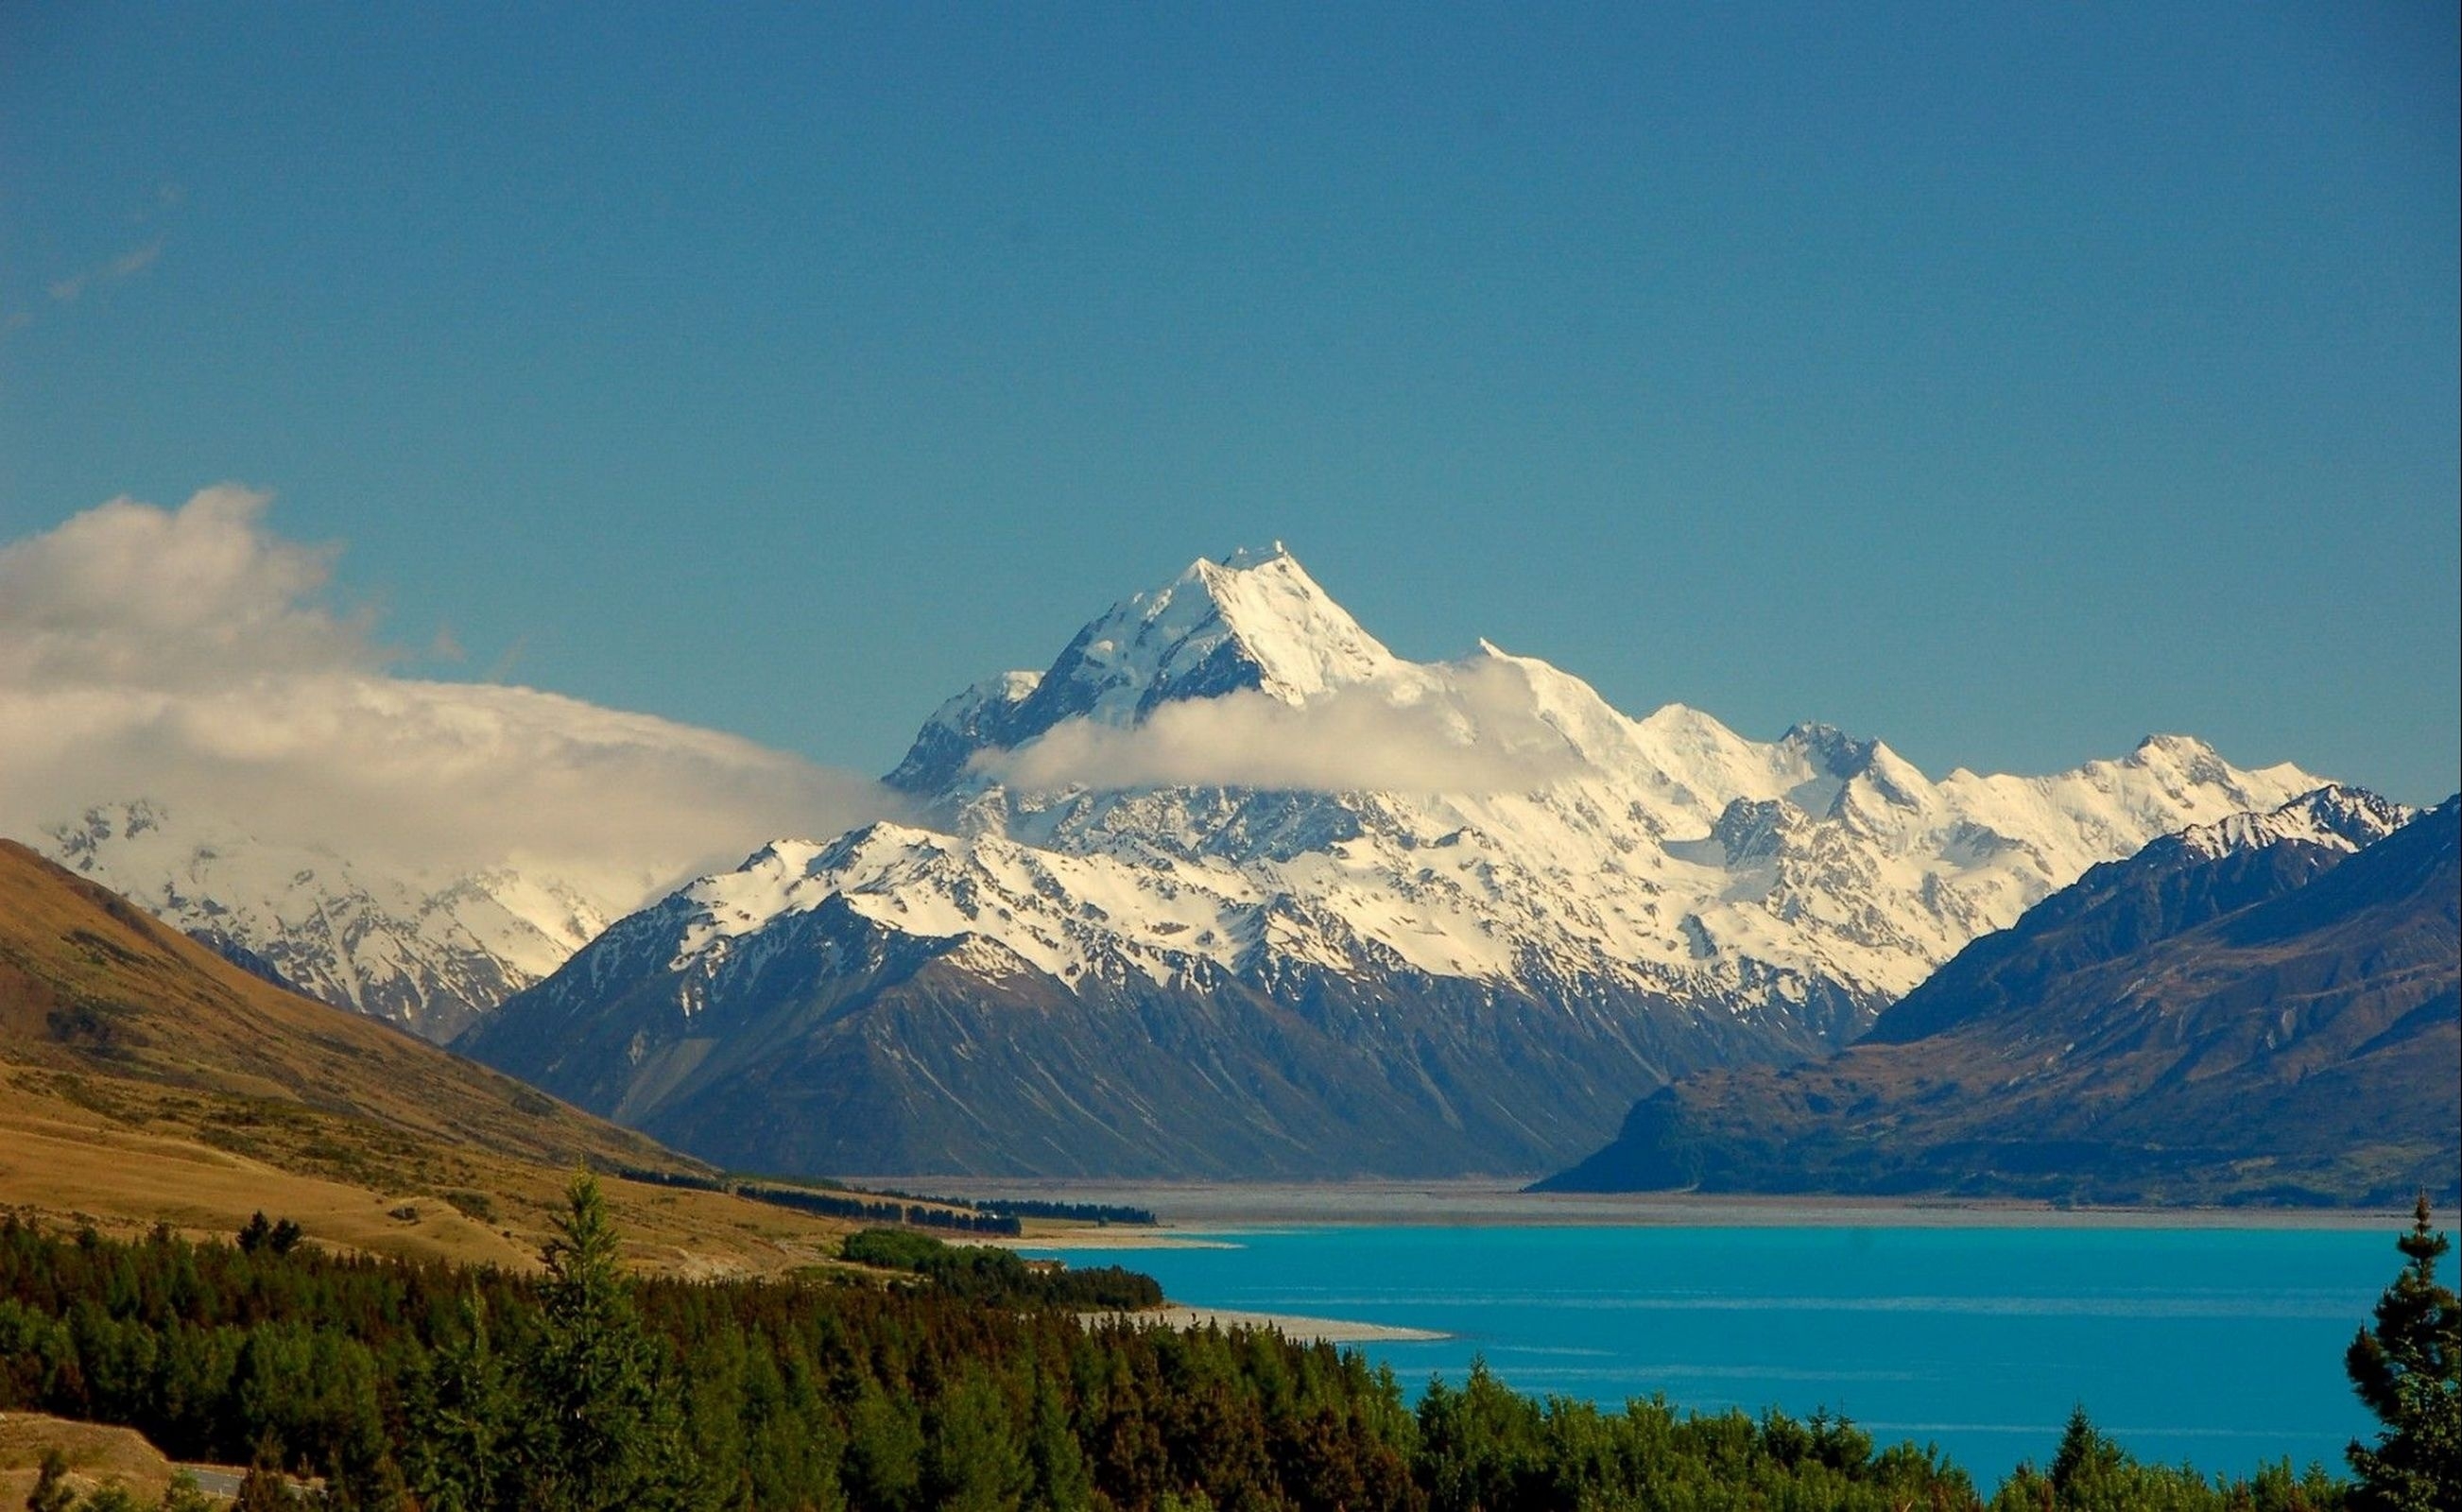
(143, 1078)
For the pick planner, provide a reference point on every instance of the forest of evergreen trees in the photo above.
(405, 1383)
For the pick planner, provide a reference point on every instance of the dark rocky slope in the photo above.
(857, 1048)
(2277, 1024)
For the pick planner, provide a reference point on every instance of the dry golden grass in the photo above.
(97, 1457)
(144, 1080)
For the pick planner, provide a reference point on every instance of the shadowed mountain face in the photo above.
(2275, 1023)
(849, 1046)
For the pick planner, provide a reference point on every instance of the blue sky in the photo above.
(2004, 382)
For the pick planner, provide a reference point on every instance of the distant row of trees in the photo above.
(1033, 1207)
(997, 1216)
(850, 1203)
(581, 1390)
(997, 1278)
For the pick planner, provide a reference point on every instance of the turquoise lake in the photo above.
(2220, 1347)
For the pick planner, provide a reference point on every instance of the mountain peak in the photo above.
(2181, 749)
(1300, 641)
(1830, 749)
(2334, 817)
(1254, 621)
(1247, 558)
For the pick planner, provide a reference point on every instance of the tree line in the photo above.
(998, 1278)
(409, 1384)
(847, 1202)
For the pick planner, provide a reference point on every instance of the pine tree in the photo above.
(609, 1434)
(2086, 1466)
(1061, 1475)
(462, 1422)
(884, 1454)
(2408, 1371)
(973, 1460)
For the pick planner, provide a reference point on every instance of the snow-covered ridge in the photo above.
(1586, 854)
(427, 953)
(2332, 817)
(1666, 854)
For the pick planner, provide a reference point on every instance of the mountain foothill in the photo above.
(146, 1080)
(1231, 890)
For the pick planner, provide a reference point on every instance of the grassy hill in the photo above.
(143, 1080)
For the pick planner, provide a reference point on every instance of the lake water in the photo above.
(2221, 1347)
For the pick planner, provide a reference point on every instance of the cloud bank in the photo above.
(189, 655)
(1471, 727)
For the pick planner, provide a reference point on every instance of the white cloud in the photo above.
(127, 265)
(128, 594)
(1475, 726)
(189, 656)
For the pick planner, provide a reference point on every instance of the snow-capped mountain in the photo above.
(2332, 818)
(427, 953)
(2258, 1010)
(1231, 888)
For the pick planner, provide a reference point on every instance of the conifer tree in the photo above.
(973, 1461)
(2086, 1466)
(884, 1454)
(1061, 1475)
(461, 1423)
(2408, 1367)
(609, 1435)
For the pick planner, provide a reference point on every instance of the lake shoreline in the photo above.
(1190, 1211)
(1292, 1326)
(2221, 1347)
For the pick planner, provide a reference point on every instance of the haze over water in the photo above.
(2221, 1347)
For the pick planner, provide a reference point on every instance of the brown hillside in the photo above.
(144, 1079)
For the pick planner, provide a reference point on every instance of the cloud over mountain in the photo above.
(191, 656)
(1478, 728)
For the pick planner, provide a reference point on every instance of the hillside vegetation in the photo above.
(143, 1079)
(577, 1387)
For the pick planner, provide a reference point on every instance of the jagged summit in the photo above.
(1245, 558)
(2335, 817)
(1832, 749)
(1254, 621)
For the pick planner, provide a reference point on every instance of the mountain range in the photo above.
(429, 953)
(2262, 1011)
(1232, 890)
